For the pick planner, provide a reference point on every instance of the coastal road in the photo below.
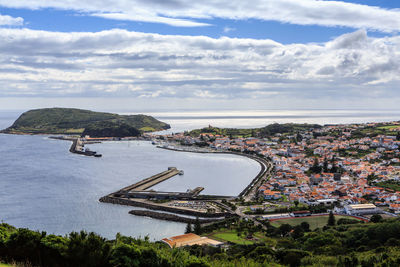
(266, 167)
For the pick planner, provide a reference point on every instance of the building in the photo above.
(276, 216)
(190, 240)
(268, 194)
(301, 213)
(326, 202)
(361, 209)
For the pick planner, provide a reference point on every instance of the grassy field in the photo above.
(231, 236)
(391, 185)
(314, 221)
(147, 129)
(4, 265)
(388, 127)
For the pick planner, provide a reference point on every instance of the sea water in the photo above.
(45, 187)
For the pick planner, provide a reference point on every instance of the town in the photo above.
(353, 169)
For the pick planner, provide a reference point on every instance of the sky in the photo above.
(202, 55)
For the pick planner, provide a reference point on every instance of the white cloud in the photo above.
(229, 29)
(151, 18)
(119, 63)
(184, 13)
(6, 20)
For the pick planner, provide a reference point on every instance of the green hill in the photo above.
(78, 121)
(269, 130)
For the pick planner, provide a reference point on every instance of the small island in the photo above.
(71, 121)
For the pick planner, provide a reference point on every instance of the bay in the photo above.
(44, 187)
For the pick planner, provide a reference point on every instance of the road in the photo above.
(251, 193)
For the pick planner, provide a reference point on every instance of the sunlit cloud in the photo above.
(6, 20)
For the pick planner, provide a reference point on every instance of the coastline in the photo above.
(264, 163)
(248, 193)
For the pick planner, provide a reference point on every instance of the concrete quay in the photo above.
(172, 217)
(151, 181)
(139, 189)
(77, 146)
(142, 203)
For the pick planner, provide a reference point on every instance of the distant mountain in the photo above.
(83, 122)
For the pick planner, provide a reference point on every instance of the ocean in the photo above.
(46, 188)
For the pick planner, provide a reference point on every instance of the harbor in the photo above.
(190, 202)
(138, 195)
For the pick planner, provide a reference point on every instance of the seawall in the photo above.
(151, 206)
(263, 163)
(170, 217)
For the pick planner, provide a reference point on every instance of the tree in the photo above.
(284, 229)
(298, 232)
(325, 168)
(316, 168)
(305, 226)
(296, 202)
(299, 138)
(371, 177)
(334, 169)
(376, 218)
(188, 228)
(331, 219)
(197, 226)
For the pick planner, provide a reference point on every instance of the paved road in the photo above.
(249, 196)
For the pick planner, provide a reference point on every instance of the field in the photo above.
(388, 127)
(389, 185)
(314, 221)
(231, 236)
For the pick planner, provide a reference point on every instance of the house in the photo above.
(395, 208)
(190, 240)
(268, 194)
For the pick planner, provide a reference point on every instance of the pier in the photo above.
(151, 181)
(77, 146)
(139, 195)
(139, 189)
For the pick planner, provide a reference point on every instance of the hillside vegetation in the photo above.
(269, 130)
(351, 244)
(78, 121)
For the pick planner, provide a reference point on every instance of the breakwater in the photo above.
(77, 145)
(77, 148)
(171, 217)
(151, 181)
(155, 206)
(264, 163)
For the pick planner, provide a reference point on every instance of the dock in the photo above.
(152, 181)
(139, 189)
(77, 147)
(141, 195)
